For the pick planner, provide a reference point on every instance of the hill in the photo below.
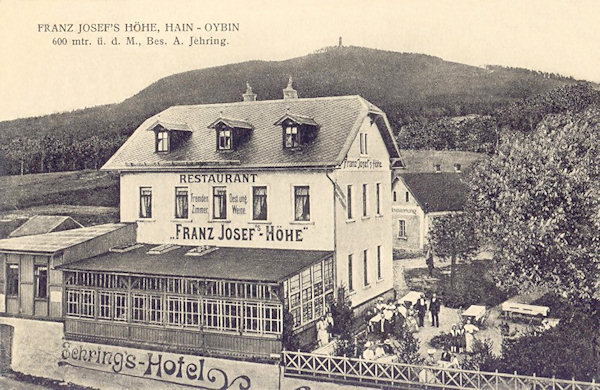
(404, 85)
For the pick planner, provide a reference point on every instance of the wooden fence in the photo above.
(375, 374)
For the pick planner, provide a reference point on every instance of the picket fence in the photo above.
(400, 375)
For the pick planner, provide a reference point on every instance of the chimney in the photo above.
(249, 96)
(289, 92)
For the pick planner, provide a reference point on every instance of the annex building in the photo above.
(431, 184)
(242, 210)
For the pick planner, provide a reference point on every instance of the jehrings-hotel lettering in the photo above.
(183, 369)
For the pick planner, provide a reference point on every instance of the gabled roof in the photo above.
(425, 160)
(39, 224)
(436, 192)
(339, 120)
(169, 125)
(250, 264)
(298, 119)
(53, 242)
(233, 123)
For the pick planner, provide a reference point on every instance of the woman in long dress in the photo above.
(470, 330)
(322, 333)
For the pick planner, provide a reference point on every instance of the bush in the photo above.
(482, 357)
(442, 341)
(565, 352)
(473, 286)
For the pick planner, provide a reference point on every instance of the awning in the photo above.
(242, 264)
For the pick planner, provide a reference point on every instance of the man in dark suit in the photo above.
(421, 308)
(434, 308)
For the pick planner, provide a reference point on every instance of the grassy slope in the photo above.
(88, 188)
(20, 196)
(402, 84)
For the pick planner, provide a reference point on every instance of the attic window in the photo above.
(298, 130)
(291, 137)
(168, 136)
(224, 139)
(457, 168)
(231, 133)
(162, 141)
(437, 167)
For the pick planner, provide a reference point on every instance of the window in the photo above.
(162, 141)
(291, 139)
(407, 196)
(40, 273)
(145, 202)
(350, 284)
(104, 305)
(174, 310)
(301, 203)
(437, 167)
(259, 203)
(156, 309)
(364, 200)
(378, 262)
(12, 279)
(395, 197)
(139, 302)
(378, 198)
(363, 143)
(224, 139)
(402, 228)
(457, 168)
(349, 192)
(365, 269)
(181, 202)
(120, 306)
(219, 203)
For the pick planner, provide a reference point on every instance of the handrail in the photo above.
(361, 371)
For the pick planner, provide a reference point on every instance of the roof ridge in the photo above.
(187, 106)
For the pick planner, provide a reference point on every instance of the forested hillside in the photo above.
(410, 88)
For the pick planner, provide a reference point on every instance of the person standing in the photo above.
(462, 342)
(429, 261)
(421, 307)
(434, 308)
(470, 330)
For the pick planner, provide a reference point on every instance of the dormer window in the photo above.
(231, 133)
(291, 137)
(162, 141)
(224, 139)
(298, 130)
(168, 136)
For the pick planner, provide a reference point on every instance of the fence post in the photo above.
(573, 383)
(515, 380)
(496, 377)
(478, 378)
(534, 381)
(553, 382)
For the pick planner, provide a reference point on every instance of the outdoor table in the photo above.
(411, 297)
(387, 359)
(509, 308)
(475, 313)
(376, 318)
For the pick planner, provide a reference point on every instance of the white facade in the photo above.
(328, 227)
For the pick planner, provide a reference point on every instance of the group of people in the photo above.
(422, 306)
(463, 337)
(323, 326)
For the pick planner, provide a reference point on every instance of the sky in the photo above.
(39, 76)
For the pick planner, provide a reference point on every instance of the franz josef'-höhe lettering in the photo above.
(225, 233)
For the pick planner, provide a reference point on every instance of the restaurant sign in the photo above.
(194, 371)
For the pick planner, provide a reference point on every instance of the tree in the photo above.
(289, 339)
(453, 235)
(343, 319)
(537, 202)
